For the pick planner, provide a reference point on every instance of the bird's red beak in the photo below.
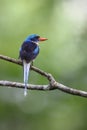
(42, 39)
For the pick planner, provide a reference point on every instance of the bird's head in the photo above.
(35, 38)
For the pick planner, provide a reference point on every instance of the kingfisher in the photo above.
(28, 52)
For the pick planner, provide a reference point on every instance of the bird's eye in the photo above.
(37, 37)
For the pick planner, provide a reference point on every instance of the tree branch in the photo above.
(53, 84)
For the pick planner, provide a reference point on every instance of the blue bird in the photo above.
(28, 52)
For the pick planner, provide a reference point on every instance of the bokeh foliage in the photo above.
(64, 55)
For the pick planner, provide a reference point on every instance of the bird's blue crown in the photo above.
(33, 37)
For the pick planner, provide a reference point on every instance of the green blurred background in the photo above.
(64, 55)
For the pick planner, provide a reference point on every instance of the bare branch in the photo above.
(44, 87)
(53, 84)
(19, 62)
(10, 59)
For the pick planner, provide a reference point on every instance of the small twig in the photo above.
(53, 84)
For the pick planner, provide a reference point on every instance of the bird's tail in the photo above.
(26, 74)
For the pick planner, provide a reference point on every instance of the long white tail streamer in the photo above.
(26, 75)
